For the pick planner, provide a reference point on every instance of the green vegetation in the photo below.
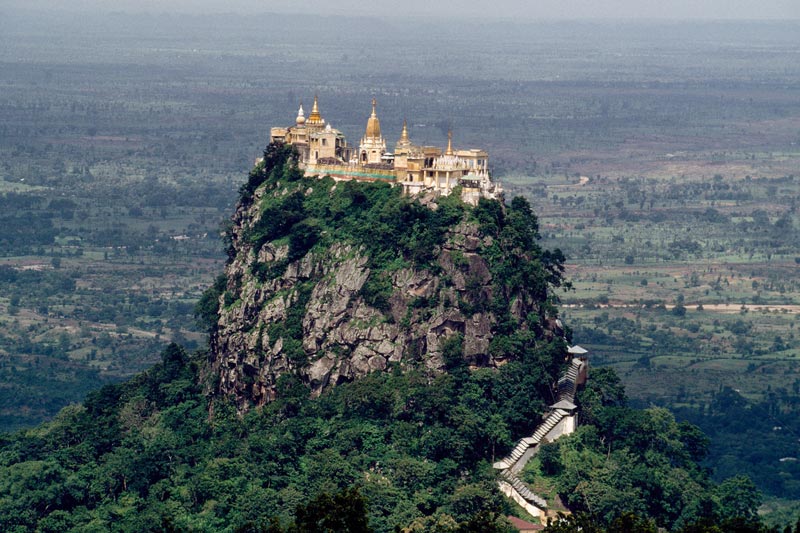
(638, 470)
(631, 523)
(752, 438)
(143, 454)
(374, 216)
(639, 461)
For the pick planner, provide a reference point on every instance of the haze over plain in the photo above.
(508, 9)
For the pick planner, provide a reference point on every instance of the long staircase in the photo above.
(523, 489)
(567, 385)
(526, 448)
(512, 460)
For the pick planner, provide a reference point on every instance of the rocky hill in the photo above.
(333, 280)
(331, 284)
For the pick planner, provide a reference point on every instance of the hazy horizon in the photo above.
(518, 10)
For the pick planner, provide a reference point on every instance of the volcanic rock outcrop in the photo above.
(309, 292)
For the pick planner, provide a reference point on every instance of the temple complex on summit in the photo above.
(418, 169)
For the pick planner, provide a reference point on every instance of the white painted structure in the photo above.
(562, 419)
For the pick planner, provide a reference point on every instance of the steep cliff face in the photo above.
(330, 281)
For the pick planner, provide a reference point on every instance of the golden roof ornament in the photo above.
(449, 143)
(373, 124)
(404, 135)
(315, 117)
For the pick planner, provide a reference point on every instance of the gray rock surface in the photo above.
(344, 338)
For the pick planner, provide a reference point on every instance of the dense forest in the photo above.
(403, 449)
(145, 456)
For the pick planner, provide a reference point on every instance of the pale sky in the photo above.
(509, 9)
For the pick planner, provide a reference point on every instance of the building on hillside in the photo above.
(418, 169)
(523, 525)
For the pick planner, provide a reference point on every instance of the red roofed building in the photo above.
(523, 525)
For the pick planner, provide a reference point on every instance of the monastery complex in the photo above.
(418, 169)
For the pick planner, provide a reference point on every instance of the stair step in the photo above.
(524, 491)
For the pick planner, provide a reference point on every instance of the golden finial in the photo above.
(373, 124)
(404, 134)
(315, 117)
(449, 143)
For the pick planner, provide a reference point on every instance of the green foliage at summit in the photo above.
(374, 215)
(393, 230)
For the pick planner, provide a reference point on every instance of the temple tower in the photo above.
(373, 145)
(315, 120)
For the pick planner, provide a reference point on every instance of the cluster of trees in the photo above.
(27, 223)
(375, 216)
(759, 439)
(145, 453)
(633, 523)
(641, 462)
(394, 450)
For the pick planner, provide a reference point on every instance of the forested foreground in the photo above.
(394, 451)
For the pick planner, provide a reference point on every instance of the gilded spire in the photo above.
(315, 117)
(373, 124)
(404, 135)
(449, 143)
